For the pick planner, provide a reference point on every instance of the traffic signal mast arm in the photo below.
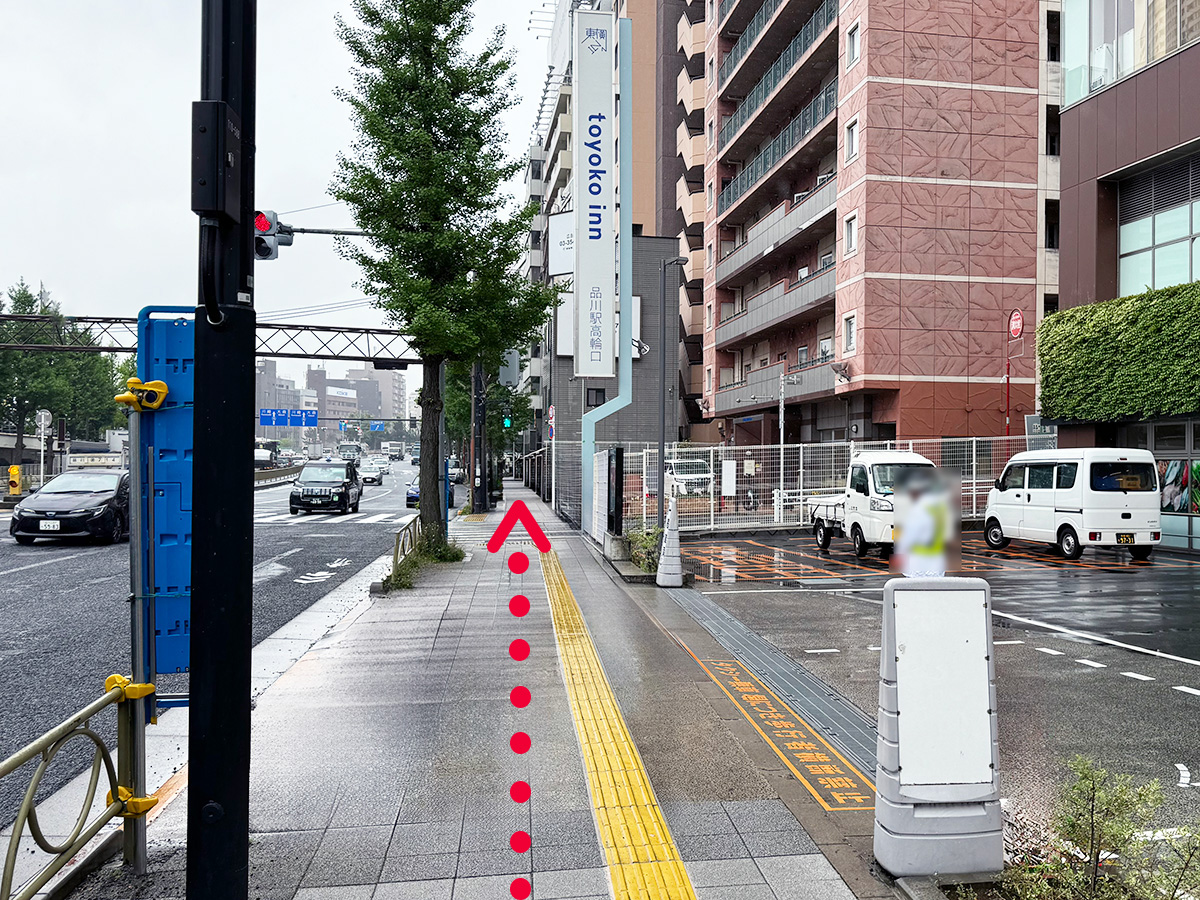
(270, 234)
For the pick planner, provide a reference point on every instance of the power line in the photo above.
(307, 208)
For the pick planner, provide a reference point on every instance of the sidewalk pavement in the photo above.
(382, 763)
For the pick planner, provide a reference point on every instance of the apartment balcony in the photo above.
(766, 35)
(690, 147)
(734, 15)
(691, 37)
(781, 230)
(777, 305)
(799, 146)
(693, 271)
(796, 72)
(690, 202)
(560, 174)
(559, 138)
(760, 389)
(690, 92)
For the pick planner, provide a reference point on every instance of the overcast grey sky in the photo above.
(94, 159)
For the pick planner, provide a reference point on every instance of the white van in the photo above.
(1071, 499)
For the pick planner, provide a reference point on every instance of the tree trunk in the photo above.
(20, 411)
(430, 400)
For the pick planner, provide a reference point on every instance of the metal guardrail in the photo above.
(120, 800)
(408, 539)
(269, 477)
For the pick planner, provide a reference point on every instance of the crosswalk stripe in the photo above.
(378, 517)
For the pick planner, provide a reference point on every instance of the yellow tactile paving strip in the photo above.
(643, 861)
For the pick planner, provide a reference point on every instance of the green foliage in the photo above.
(404, 575)
(644, 546)
(1133, 357)
(76, 386)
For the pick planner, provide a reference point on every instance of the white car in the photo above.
(1079, 498)
(371, 473)
(688, 476)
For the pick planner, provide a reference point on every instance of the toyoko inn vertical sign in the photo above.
(595, 176)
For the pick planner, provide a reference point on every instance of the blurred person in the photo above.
(926, 526)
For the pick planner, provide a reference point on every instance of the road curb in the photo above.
(327, 615)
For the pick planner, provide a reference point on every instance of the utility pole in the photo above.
(480, 499)
(218, 815)
(662, 378)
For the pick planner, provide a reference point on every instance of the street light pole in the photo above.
(662, 379)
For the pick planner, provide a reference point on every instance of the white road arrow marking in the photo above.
(338, 563)
(314, 577)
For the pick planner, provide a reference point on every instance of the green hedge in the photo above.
(1131, 358)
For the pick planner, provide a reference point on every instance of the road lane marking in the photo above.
(875, 648)
(999, 643)
(833, 781)
(1185, 777)
(314, 577)
(1137, 676)
(1097, 638)
(1187, 690)
(1092, 663)
(378, 517)
(47, 562)
(830, 650)
(643, 859)
(1048, 651)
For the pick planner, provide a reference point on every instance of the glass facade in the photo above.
(1176, 447)
(1106, 40)
(1160, 250)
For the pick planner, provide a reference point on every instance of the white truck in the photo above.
(865, 512)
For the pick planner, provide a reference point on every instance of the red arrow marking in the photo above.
(518, 512)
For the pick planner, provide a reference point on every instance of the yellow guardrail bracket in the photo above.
(129, 690)
(135, 807)
(142, 397)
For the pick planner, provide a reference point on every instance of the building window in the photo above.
(1158, 236)
(825, 345)
(708, 317)
(712, 132)
(852, 37)
(708, 255)
(711, 11)
(1052, 36)
(595, 397)
(535, 169)
(850, 236)
(708, 386)
(1053, 132)
(711, 69)
(849, 334)
(710, 195)
(1049, 304)
(1051, 224)
(850, 149)
(801, 355)
(782, 357)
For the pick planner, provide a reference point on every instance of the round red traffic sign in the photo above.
(1016, 323)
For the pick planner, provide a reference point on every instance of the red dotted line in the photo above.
(520, 743)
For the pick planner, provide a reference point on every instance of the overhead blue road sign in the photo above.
(310, 418)
(377, 426)
(266, 417)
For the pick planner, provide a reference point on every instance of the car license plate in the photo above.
(1124, 538)
(46, 525)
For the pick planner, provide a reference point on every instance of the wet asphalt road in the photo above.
(1060, 694)
(64, 612)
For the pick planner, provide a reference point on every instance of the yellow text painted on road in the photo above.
(835, 783)
(643, 860)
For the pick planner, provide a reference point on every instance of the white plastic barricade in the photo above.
(937, 808)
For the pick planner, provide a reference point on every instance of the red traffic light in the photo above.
(261, 222)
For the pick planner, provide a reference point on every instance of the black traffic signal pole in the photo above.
(222, 513)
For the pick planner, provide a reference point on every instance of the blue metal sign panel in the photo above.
(377, 426)
(266, 417)
(310, 418)
(166, 353)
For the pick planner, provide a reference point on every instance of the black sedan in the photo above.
(412, 499)
(79, 503)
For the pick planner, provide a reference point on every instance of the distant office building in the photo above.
(271, 391)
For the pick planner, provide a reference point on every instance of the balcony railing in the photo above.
(777, 304)
(761, 387)
(749, 36)
(801, 44)
(779, 226)
(811, 363)
(724, 8)
(796, 131)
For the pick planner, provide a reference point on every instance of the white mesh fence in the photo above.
(724, 488)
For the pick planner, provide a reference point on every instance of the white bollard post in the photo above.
(670, 561)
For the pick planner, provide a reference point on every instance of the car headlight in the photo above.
(879, 505)
(94, 510)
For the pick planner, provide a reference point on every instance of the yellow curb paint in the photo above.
(643, 860)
